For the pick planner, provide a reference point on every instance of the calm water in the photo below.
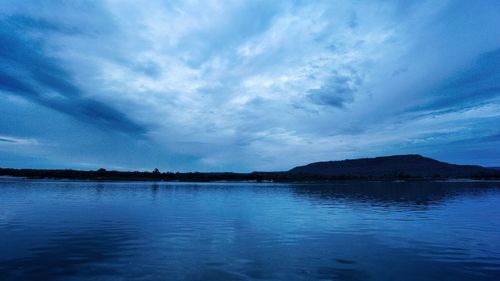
(145, 231)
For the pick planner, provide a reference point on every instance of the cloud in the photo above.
(22, 141)
(337, 91)
(30, 24)
(476, 83)
(248, 85)
(28, 72)
(7, 140)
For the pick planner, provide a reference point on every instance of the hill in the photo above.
(412, 165)
(380, 168)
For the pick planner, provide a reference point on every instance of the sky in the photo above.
(246, 85)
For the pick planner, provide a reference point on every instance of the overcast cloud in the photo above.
(246, 85)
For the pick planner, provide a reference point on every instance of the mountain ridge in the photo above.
(410, 165)
(394, 167)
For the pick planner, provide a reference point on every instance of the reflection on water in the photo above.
(167, 231)
(69, 254)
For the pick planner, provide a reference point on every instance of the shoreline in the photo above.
(49, 179)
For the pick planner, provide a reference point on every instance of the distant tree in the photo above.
(156, 172)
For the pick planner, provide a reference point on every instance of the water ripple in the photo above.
(353, 231)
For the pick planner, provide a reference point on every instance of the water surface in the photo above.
(53, 230)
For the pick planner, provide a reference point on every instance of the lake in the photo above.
(56, 230)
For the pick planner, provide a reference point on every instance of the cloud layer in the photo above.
(246, 85)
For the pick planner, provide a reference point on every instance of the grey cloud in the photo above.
(28, 72)
(353, 21)
(148, 68)
(336, 91)
(7, 140)
(473, 85)
(26, 23)
(181, 70)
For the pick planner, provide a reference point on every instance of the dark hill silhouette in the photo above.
(380, 168)
(412, 165)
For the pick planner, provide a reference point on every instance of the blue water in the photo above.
(177, 231)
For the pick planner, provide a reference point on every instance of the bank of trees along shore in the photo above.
(156, 175)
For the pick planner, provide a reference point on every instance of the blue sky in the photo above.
(246, 85)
